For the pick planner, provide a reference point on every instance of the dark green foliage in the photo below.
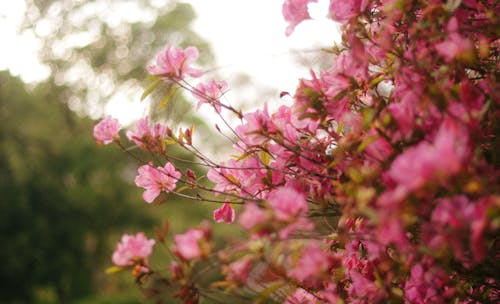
(61, 197)
(64, 202)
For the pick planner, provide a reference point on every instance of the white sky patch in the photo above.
(19, 52)
(247, 37)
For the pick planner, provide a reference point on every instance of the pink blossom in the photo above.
(329, 294)
(156, 180)
(176, 270)
(223, 179)
(481, 224)
(455, 45)
(175, 63)
(233, 178)
(343, 10)
(188, 245)
(252, 216)
(379, 149)
(449, 224)
(288, 203)
(257, 123)
(427, 284)
(300, 224)
(294, 12)
(404, 113)
(239, 269)
(133, 250)
(427, 162)
(313, 265)
(106, 131)
(363, 288)
(392, 231)
(210, 93)
(224, 214)
(301, 296)
(149, 139)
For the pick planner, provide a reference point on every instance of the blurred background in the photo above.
(64, 201)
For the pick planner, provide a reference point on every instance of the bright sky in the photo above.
(250, 36)
(246, 37)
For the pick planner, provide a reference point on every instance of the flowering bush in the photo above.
(378, 184)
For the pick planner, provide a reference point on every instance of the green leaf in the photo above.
(376, 81)
(183, 188)
(264, 294)
(232, 179)
(366, 142)
(163, 103)
(115, 269)
(169, 141)
(151, 88)
(265, 157)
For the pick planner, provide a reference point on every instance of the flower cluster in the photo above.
(156, 180)
(379, 183)
(134, 251)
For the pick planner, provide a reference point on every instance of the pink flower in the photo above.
(449, 224)
(233, 178)
(301, 296)
(294, 12)
(210, 93)
(428, 162)
(300, 224)
(133, 250)
(149, 139)
(363, 288)
(155, 180)
(343, 10)
(427, 284)
(252, 216)
(188, 246)
(176, 270)
(313, 264)
(404, 113)
(175, 63)
(379, 149)
(257, 124)
(330, 294)
(481, 224)
(106, 131)
(239, 269)
(224, 214)
(455, 45)
(288, 203)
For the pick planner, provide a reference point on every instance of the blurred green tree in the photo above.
(64, 201)
(61, 198)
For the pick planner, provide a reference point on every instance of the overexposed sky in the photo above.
(246, 36)
(250, 36)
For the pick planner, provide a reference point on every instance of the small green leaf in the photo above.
(183, 188)
(232, 179)
(243, 156)
(376, 81)
(265, 157)
(151, 88)
(264, 294)
(163, 103)
(114, 269)
(366, 142)
(221, 284)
